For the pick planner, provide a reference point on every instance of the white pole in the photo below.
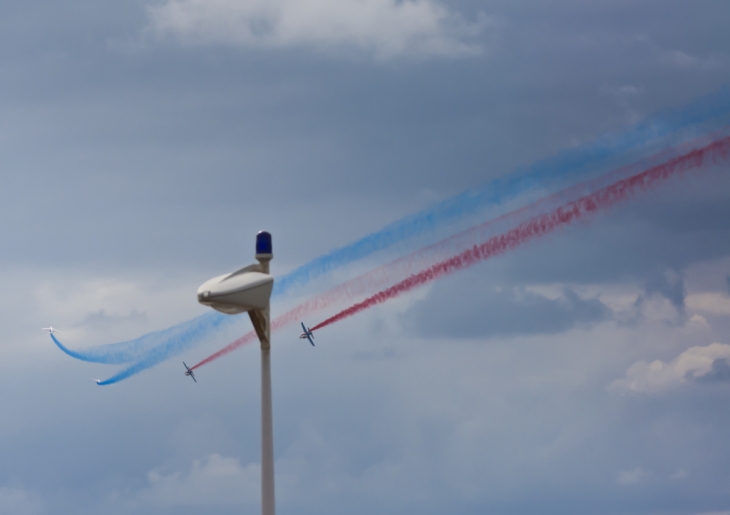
(267, 436)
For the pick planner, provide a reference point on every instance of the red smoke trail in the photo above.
(471, 238)
(544, 224)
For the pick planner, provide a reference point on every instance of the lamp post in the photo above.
(249, 290)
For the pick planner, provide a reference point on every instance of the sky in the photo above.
(145, 143)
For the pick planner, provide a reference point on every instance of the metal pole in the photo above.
(262, 325)
(267, 436)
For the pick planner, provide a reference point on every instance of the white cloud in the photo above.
(685, 60)
(713, 303)
(627, 90)
(681, 59)
(92, 308)
(16, 501)
(214, 480)
(698, 320)
(679, 474)
(386, 28)
(658, 376)
(632, 477)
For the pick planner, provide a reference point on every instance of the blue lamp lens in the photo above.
(263, 243)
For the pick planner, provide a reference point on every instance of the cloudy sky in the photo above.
(145, 142)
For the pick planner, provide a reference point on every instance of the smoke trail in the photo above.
(134, 350)
(183, 341)
(64, 349)
(666, 128)
(472, 238)
(541, 225)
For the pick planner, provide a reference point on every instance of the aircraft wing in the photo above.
(189, 372)
(307, 334)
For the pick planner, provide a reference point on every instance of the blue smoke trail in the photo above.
(188, 335)
(173, 347)
(667, 128)
(134, 350)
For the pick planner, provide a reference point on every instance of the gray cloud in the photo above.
(469, 307)
(387, 29)
(719, 373)
(17, 501)
(637, 241)
(101, 320)
(670, 286)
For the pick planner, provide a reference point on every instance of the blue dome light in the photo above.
(263, 243)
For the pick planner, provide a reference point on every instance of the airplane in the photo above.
(190, 372)
(97, 380)
(308, 334)
(50, 329)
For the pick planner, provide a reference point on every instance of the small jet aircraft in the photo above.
(96, 380)
(50, 329)
(308, 334)
(189, 372)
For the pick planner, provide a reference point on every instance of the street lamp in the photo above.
(249, 290)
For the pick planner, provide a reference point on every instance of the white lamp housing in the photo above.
(241, 291)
